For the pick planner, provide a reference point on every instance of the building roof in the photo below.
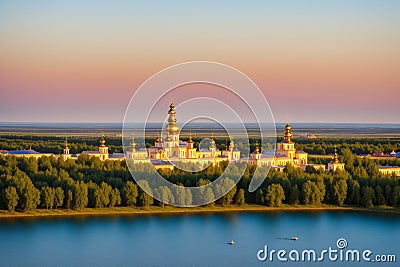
(388, 167)
(91, 152)
(160, 162)
(116, 155)
(23, 152)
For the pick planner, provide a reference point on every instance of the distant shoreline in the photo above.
(130, 211)
(91, 129)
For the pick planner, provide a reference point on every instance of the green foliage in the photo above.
(275, 195)
(396, 196)
(80, 195)
(49, 182)
(48, 197)
(130, 194)
(368, 196)
(145, 199)
(11, 198)
(68, 199)
(294, 197)
(311, 193)
(59, 197)
(340, 191)
(240, 197)
(115, 198)
(225, 185)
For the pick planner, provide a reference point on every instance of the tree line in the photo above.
(50, 183)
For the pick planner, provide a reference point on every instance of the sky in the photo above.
(314, 61)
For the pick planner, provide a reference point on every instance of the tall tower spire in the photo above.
(257, 150)
(133, 144)
(288, 134)
(172, 128)
(66, 154)
(103, 149)
(335, 157)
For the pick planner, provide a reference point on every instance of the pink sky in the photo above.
(83, 62)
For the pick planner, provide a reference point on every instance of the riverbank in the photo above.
(153, 210)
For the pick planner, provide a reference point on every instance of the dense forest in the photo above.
(27, 183)
(50, 183)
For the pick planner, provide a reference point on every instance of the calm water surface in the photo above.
(193, 240)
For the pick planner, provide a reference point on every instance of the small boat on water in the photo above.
(231, 242)
(294, 238)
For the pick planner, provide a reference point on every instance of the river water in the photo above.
(201, 239)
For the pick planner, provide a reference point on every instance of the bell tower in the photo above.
(103, 149)
(66, 154)
(172, 128)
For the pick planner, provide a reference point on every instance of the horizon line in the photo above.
(277, 122)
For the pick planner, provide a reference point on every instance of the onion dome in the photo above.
(66, 143)
(190, 138)
(335, 159)
(257, 150)
(102, 141)
(288, 134)
(172, 128)
(133, 145)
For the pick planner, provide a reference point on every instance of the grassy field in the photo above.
(176, 210)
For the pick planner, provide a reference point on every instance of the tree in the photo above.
(11, 198)
(115, 198)
(368, 196)
(396, 196)
(145, 199)
(80, 195)
(240, 197)
(180, 195)
(307, 192)
(206, 192)
(130, 193)
(102, 195)
(340, 191)
(260, 199)
(380, 198)
(294, 197)
(311, 193)
(30, 198)
(209, 197)
(59, 197)
(223, 186)
(68, 199)
(355, 195)
(275, 195)
(388, 194)
(164, 195)
(48, 196)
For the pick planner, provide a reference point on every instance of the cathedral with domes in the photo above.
(169, 147)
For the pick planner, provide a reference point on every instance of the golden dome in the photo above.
(172, 129)
(190, 139)
(102, 141)
(288, 134)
